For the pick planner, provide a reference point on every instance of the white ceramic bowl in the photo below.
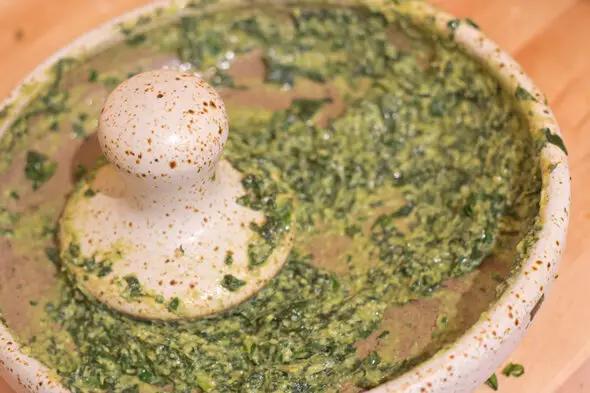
(470, 360)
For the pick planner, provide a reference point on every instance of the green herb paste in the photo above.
(414, 176)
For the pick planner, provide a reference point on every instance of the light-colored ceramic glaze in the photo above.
(165, 209)
(480, 351)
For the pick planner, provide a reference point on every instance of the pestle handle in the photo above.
(164, 127)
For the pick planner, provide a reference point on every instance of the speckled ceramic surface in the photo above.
(470, 360)
(165, 205)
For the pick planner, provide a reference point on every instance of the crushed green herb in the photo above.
(555, 140)
(453, 24)
(471, 22)
(136, 40)
(173, 305)
(89, 193)
(133, 289)
(523, 94)
(229, 258)
(92, 76)
(80, 172)
(52, 254)
(513, 370)
(492, 382)
(39, 168)
(232, 283)
(422, 173)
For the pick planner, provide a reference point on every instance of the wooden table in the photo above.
(545, 36)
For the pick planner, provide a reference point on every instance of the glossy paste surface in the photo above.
(410, 166)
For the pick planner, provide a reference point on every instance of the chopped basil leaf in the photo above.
(513, 370)
(74, 250)
(89, 192)
(555, 140)
(53, 255)
(453, 24)
(133, 287)
(79, 131)
(92, 76)
(232, 283)
(492, 382)
(80, 172)
(39, 168)
(136, 40)
(523, 94)
(470, 22)
(229, 258)
(173, 305)
(105, 270)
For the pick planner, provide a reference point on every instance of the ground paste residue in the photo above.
(413, 179)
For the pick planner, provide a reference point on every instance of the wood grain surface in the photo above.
(550, 40)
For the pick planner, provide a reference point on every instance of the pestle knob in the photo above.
(163, 129)
(158, 233)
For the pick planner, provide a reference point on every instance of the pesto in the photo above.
(513, 370)
(453, 24)
(92, 76)
(229, 258)
(52, 254)
(89, 193)
(80, 172)
(423, 174)
(79, 128)
(174, 303)
(39, 168)
(523, 94)
(133, 287)
(232, 283)
(555, 139)
(51, 104)
(471, 22)
(492, 382)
